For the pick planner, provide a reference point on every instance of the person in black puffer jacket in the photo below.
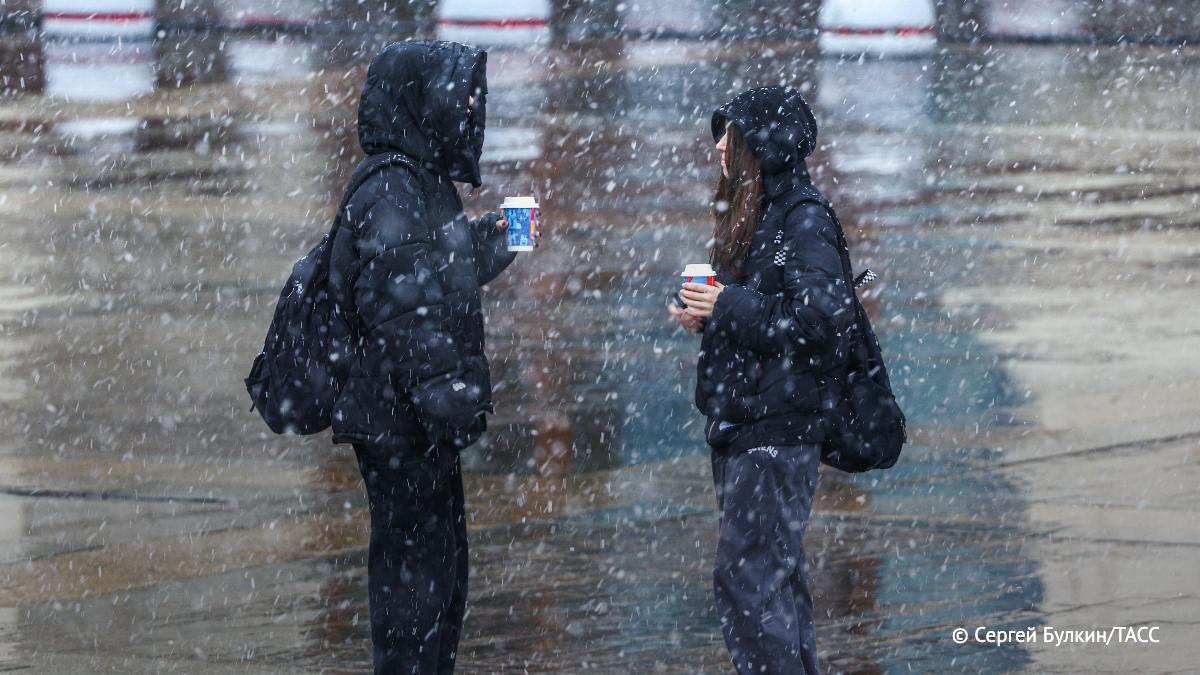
(778, 320)
(407, 268)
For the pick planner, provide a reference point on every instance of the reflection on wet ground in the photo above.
(1029, 209)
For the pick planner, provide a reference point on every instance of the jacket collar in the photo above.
(782, 182)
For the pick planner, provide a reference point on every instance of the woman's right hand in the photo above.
(690, 323)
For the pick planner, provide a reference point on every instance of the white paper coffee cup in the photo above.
(522, 214)
(699, 273)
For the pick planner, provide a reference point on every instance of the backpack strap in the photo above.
(365, 169)
(362, 172)
(843, 248)
(814, 197)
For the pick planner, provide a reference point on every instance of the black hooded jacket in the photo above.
(777, 332)
(407, 265)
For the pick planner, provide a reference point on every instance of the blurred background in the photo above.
(1022, 174)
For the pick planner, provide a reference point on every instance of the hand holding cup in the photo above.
(700, 289)
(700, 298)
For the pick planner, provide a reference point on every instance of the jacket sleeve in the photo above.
(403, 307)
(491, 247)
(815, 307)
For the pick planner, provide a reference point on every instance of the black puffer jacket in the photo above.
(407, 266)
(775, 333)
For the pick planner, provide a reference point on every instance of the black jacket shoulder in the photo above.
(810, 234)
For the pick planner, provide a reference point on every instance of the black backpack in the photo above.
(865, 429)
(294, 382)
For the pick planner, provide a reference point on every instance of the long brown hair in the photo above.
(736, 204)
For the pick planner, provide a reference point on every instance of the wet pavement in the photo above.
(1031, 210)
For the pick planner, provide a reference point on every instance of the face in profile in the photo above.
(722, 145)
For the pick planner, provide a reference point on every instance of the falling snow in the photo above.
(1022, 175)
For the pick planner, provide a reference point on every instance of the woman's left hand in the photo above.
(701, 298)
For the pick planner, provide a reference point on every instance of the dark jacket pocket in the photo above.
(372, 409)
(785, 389)
(476, 374)
(802, 392)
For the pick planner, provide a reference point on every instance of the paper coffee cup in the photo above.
(522, 216)
(699, 273)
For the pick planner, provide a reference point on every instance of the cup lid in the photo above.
(698, 270)
(519, 203)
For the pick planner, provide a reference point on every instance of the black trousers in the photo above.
(761, 586)
(417, 565)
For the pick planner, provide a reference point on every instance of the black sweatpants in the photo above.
(417, 565)
(766, 611)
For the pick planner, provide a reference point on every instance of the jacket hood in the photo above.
(777, 124)
(414, 101)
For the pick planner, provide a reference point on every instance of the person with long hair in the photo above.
(775, 326)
